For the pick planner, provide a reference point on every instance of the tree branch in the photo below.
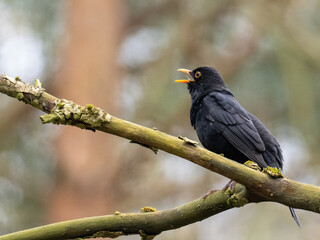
(145, 223)
(260, 186)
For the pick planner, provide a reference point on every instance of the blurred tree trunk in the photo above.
(87, 161)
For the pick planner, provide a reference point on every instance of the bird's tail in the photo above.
(295, 217)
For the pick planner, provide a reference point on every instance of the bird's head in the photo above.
(202, 80)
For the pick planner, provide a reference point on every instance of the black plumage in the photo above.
(224, 126)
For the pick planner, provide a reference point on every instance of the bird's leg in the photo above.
(230, 185)
(208, 193)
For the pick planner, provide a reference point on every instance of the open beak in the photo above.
(184, 80)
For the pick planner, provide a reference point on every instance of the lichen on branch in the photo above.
(68, 113)
(34, 95)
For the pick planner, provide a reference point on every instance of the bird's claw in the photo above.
(252, 165)
(230, 185)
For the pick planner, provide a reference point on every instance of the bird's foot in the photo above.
(230, 185)
(208, 193)
(273, 172)
(252, 165)
(229, 190)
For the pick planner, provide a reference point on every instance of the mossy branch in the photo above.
(146, 223)
(260, 186)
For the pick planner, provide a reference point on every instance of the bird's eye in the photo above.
(197, 74)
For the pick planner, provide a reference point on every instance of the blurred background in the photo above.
(122, 56)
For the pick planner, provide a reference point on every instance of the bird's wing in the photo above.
(235, 124)
(273, 153)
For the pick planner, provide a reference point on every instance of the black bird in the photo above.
(224, 126)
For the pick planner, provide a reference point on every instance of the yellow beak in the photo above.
(187, 71)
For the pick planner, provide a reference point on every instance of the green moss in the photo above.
(50, 118)
(273, 172)
(117, 213)
(37, 83)
(90, 106)
(20, 96)
(60, 105)
(229, 192)
(237, 200)
(148, 209)
(88, 117)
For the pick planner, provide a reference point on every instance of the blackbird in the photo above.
(225, 127)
